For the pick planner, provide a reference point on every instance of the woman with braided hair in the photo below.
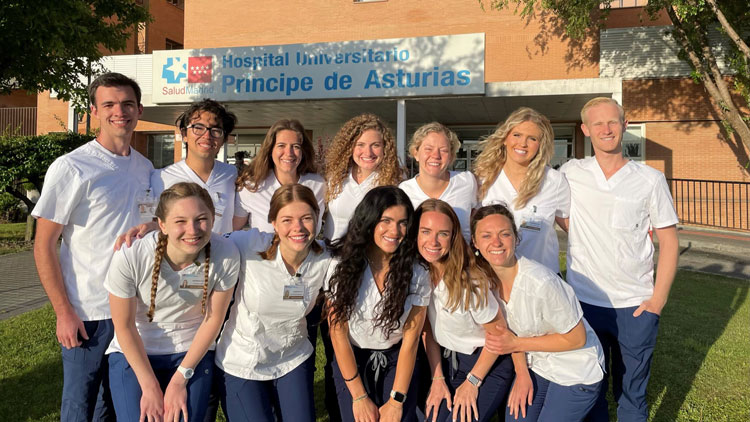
(169, 294)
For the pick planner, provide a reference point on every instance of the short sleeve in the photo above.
(486, 312)
(157, 183)
(661, 208)
(250, 241)
(227, 265)
(472, 181)
(563, 198)
(318, 186)
(331, 269)
(239, 207)
(61, 193)
(120, 280)
(560, 308)
(420, 289)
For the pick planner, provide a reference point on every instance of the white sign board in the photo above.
(402, 67)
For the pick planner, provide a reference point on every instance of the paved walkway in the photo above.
(712, 251)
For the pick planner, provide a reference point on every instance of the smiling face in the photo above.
(522, 143)
(434, 154)
(287, 152)
(391, 229)
(295, 226)
(434, 238)
(187, 224)
(368, 152)
(605, 127)
(205, 146)
(495, 238)
(117, 110)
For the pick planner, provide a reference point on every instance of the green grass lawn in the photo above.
(700, 369)
(11, 238)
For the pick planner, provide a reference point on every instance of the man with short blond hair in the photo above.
(615, 202)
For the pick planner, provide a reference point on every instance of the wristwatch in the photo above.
(474, 380)
(186, 372)
(398, 397)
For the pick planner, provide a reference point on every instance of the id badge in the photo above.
(146, 206)
(294, 292)
(191, 281)
(533, 224)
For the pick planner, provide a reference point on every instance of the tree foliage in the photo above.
(24, 160)
(48, 44)
(691, 22)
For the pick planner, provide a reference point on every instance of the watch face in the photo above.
(189, 373)
(399, 397)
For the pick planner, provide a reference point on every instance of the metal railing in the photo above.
(18, 120)
(712, 203)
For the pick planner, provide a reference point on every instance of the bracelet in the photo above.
(438, 378)
(352, 378)
(362, 397)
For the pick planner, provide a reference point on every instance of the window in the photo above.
(173, 45)
(177, 3)
(564, 145)
(618, 4)
(249, 143)
(161, 149)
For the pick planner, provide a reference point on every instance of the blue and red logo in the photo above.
(197, 70)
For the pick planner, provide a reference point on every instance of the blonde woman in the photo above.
(513, 169)
(373, 161)
(285, 157)
(434, 146)
(169, 293)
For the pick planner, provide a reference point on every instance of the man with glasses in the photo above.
(205, 127)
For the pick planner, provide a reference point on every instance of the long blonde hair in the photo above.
(339, 156)
(253, 175)
(490, 162)
(468, 284)
(178, 191)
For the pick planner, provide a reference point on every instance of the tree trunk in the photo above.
(30, 228)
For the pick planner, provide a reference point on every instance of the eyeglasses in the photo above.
(200, 130)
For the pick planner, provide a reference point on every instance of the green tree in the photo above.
(48, 44)
(24, 160)
(691, 21)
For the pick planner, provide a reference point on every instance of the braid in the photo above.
(205, 277)
(161, 247)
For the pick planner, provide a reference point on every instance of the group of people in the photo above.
(439, 296)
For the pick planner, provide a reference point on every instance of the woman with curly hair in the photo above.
(513, 169)
(469, 381)
(169, 294)
(544, 320)
(434, 146)
(264, 350)
(285, 157)
(373, 161)
(377, 301)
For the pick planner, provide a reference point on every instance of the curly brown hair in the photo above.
(253, 175)
(390, 171)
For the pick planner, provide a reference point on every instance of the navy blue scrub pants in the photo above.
(126, 392)
(628, 344)
(554, 402)
(377, 368)
(493, 392)
(249, 400)
(86, 395)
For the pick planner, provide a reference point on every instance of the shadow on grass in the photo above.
(698, 313)
(33, 395)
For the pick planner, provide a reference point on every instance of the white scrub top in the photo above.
(536, 220)
(610, 253)
(461, 194)
(220, 185)
(178, 311)
(257, 204)
(96, 195)
(341, 208)
(542, 303)
(460, 330)
(362, 330)
(266, 334)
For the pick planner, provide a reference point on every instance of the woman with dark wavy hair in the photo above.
(378, 294)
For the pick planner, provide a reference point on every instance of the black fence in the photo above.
(712, 203)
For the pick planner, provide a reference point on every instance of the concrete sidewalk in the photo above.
(706, 250)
